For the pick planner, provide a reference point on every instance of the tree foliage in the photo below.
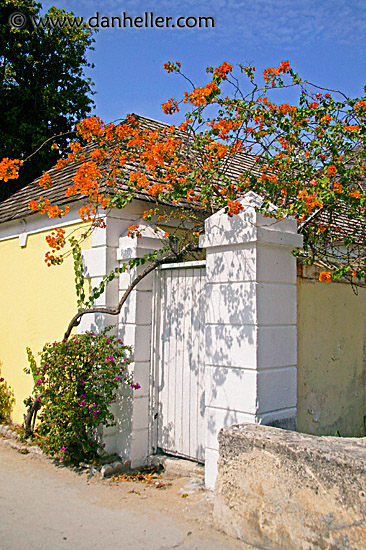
(43, 89)
(239, 132)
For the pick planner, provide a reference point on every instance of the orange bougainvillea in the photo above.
(308, 159)
(44, 206)
(170, 107)
(201, 96)
(9, 169)
(270, 74)
(332, 170)
(223, 70)
(56, 241)
(45, 181)
(325, 276)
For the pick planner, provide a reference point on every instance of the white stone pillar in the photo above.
(128, 438)
(250, 369)
(99, 261)
(135, 329)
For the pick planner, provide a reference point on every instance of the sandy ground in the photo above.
(44, 506)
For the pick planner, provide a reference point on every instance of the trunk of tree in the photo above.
(170, 258)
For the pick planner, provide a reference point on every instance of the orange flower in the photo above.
(9, 169)
(302, 194)
(170, 67)
(282, 69)
(51, 259)
(332, 170)
(360, 105)
(223, 70)
(201, 96)
(56, 240)
(97, 155)
(326, 119)
(351, 128)
(45, 181)
(322, 228)
(285, 108)
(234, 207)
(325, 276)
(133, 231)
(337, 187)
(44, 206)
(170, 107)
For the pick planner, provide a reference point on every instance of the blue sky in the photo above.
(325, 41)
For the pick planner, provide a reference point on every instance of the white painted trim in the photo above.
(184, 265)
(33, 224)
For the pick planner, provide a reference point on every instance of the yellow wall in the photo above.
(36, 304)
(331, 358)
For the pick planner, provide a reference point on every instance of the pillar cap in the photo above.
(249, 226)
(152, 238)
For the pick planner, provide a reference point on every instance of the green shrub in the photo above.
(6, 400)
(74, 386)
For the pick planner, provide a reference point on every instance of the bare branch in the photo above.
(52, 138)
(170, 258)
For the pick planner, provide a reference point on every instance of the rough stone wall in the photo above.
(283, 490)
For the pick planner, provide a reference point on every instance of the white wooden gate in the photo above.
(179, 360)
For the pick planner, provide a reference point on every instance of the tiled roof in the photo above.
(16, 206)
(344, 223)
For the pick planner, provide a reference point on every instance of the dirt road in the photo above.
(47, 507)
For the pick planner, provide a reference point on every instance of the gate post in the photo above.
(135, 328)
(250, 335)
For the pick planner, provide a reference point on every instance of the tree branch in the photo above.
(170, 258)
(30, 417)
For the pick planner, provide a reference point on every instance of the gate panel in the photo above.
(179, 361)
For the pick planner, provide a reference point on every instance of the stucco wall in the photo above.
(36, 303)
(331, 358)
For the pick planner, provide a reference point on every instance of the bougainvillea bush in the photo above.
(6, 400)
(74, 386)
(238, 133)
